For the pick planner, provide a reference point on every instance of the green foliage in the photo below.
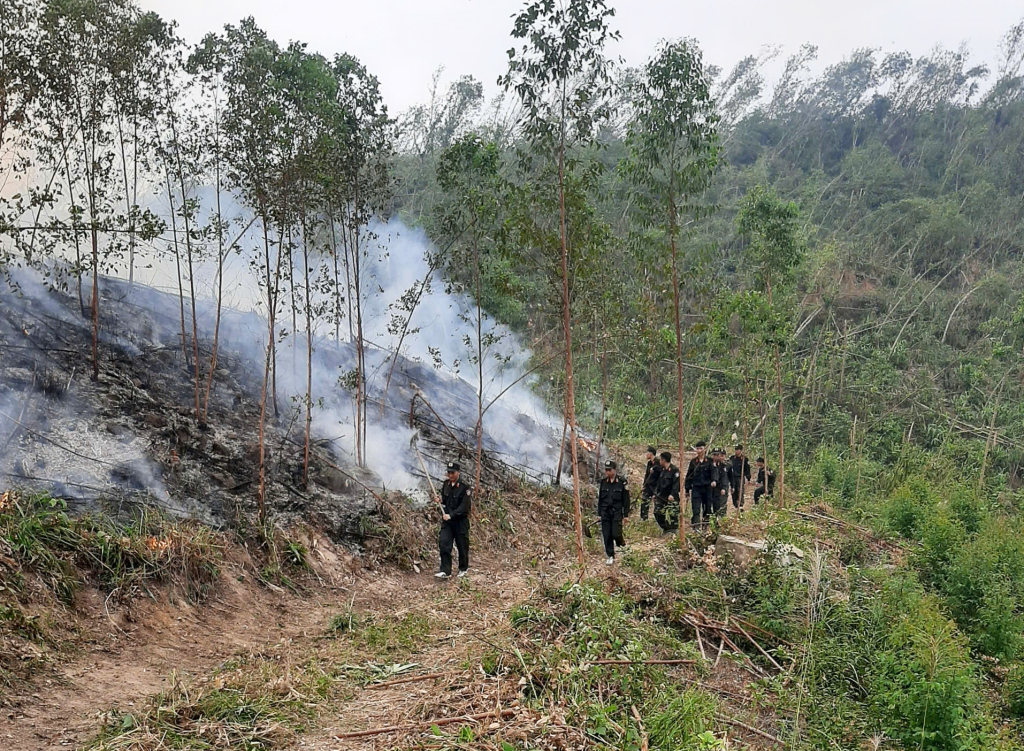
(58, 548)
(1013, 691)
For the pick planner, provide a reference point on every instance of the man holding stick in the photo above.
(455, 500)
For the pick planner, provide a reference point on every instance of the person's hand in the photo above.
(446, 517)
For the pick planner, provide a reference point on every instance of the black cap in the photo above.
(760, 460)
(454, 467)
(739, 446)
(610, 465)
(652, 450)
(699, 445)
(720, 452)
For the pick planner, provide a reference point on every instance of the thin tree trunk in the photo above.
(220, 263)
(479, 367)
(604, 404)
(990, 437)
(309, 353)
(337, 282)
(570, 395)
(679, 343)
(191, 270)
(177, 263)
(782, 440)
(266, 372)
(95, 302)
(360, 362)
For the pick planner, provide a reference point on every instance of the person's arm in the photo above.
(746, 469)
(688, 482)
(625, 500)
(462, 507)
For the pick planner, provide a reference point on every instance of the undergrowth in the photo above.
(62, 550)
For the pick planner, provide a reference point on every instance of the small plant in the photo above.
(1013, 691)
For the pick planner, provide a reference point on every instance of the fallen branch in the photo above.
(748, 728)
(399, 681)
(424, 725)
(760, 648)
(741, 653)
(641, 662)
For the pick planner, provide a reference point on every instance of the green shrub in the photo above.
(1013, 691)
(908, 507)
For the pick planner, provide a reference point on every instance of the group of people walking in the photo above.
(710, 481)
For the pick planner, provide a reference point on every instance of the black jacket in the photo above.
(651, 478)
(455, 498)
(668, 483)
(721, 475)
(770, 487)
(740, 468)
(613, 498)
(699, 473)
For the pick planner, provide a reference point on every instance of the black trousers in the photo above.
(701, 504)
(720, 500)
(737, 499)
(645, 506)
(666, 513)
(459, 534)
(611, 534)
(758, 493)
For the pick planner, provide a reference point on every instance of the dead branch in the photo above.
(425, 725)
(748, 728)
(760, 648)
(641, 662)
(399, 681)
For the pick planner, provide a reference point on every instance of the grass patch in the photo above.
(259, 702)
(62, 551)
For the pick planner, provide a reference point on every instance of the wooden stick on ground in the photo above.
(642, 662)
(760, 648)
(424, 725)
(741, 653)
(644, 743)
(399, 681)
(748, 728)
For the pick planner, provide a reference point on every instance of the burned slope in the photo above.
(131, 436)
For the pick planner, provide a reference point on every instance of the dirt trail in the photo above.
(129, 658)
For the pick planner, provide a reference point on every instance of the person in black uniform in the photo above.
(765, 481)
(612, 507)
(666, 495)
(455, 500)
(721, 481)
(698, 485)
(650, 481)
(740, 476)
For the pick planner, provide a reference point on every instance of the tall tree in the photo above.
(770, 226)
(562, 78)
(673, 147)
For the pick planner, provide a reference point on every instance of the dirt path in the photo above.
(126, 660)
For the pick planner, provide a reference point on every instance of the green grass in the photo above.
(62, 551)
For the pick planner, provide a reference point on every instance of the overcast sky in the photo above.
(403, 41)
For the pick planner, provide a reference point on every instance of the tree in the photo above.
(562, 78)
(360, 164)
(469, 173)
(770, 226)
(673, 148)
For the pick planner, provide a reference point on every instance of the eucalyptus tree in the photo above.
(562, 78)
(309, 91)
(361, 187)
(673, 154)
(81, 64)
(769, 225)
(251, 142)
(469, 172)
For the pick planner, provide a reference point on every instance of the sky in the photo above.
(403, 42)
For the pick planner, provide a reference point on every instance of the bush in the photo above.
(911, 503)
(1013, 691)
